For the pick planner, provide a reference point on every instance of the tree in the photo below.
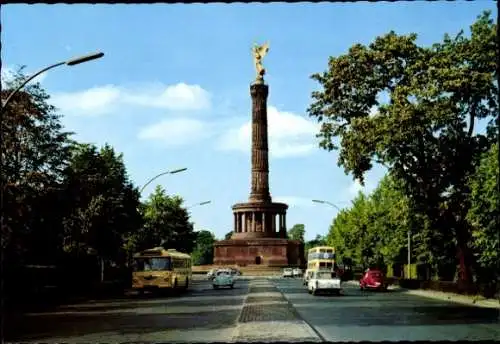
(228, 235)
(425, 134)
(297, 232)
(102, 204)
(483, 215)
(35, 151)
(203, 253)
(318, 241)
(166, 223)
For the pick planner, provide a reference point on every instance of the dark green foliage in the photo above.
(203, 253)
(297, 232)
(425, 134)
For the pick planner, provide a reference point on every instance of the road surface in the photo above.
(202, 314)
(260, 310)
(392, 316)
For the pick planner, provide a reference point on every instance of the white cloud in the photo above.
(294, 201)
(107, 99)
(289, 135)
(94, 101)
(175, 132)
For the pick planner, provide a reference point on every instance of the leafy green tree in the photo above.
(483, 215)
(228, 235)
(203, 253)
(318, 241)
(297, 232)
(166, 223)
(35, 151)
(425, 134)
(102, 207)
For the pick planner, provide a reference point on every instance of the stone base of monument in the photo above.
(259, 252)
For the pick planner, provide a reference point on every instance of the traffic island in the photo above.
(268, 316)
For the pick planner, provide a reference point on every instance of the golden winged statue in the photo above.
(259, 51)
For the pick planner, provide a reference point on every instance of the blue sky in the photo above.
(173, 89)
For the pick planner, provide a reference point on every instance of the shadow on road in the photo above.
(200, 308)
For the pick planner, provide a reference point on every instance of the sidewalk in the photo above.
(469, 300)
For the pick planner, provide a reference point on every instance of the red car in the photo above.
(373, 279)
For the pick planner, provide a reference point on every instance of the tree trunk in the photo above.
(465, 259)
(102, 268)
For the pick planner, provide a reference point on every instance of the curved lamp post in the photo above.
(326, 202)
(72, 62)
(197, 204)
(162, 174)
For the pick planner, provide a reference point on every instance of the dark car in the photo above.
(373, 279)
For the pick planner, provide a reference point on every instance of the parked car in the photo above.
(297, 272)
(324, 281)
(223, 279)
(287, 272)
(373, 279)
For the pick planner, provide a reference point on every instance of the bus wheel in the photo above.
(187, 284)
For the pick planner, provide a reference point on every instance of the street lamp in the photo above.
(326, 202)
(72, 62)
(162, 174)
(197, 204)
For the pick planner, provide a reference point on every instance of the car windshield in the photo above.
(152, 264)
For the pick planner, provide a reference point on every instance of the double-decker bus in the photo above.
(319, 258)
(161, 269)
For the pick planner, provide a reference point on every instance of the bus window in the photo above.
(152, 264)
(322, 264)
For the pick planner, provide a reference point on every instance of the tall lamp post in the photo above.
(72, 62)
(161, 174)
(198, 204)
(326, 202)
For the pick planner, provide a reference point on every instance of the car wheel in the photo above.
(309, 291)
(215, 287)
(232, 286)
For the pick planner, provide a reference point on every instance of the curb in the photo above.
(451, 297)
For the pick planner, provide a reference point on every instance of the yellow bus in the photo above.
(319, 258)
(160, 269)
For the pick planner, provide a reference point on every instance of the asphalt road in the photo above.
(392, 315)
(259, 309)
(202, 314)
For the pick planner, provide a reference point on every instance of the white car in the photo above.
(223, 279)
(287, 272)
(307, 276)
(324, 281)
(211, 274)
(297, 272)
